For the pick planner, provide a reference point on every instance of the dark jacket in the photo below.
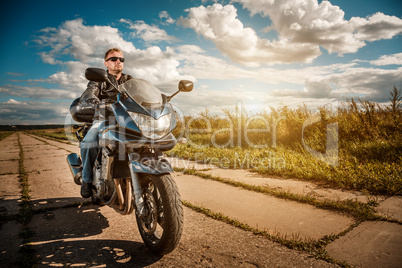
(103, 90)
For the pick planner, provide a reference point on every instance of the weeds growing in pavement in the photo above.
(313, 247)
(360, 211)
(27, 255)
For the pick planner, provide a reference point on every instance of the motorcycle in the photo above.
(130, 173)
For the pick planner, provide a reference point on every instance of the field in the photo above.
(356, 146)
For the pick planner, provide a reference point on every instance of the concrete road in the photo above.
(70, 234)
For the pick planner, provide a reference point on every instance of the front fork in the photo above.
(152, 166)
(139, 201)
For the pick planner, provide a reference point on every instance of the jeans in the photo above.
(89, 150)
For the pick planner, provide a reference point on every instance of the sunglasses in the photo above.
(115, 59)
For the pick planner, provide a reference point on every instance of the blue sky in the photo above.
(259, 53)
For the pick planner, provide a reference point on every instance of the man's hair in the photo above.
(113, 50)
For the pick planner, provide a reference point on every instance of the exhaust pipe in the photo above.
(75, 164)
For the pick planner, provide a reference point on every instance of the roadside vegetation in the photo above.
(5, 134)
(56, 133)
(355, 146)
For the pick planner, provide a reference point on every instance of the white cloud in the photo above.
(12, 101)
(308, 22)
(32, 112)
(375, 84)
(148, 33)
(87, 45)
(197, 63)
(388, 60)
(220, 25)
(72, 82)
(324, 24)
(15, 74)
(164, 15)
(313, 89)
(37, 92)
(84, 43)
(302, 27)
(157, 66)
(376, 27)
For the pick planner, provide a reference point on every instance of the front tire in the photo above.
(162, 225)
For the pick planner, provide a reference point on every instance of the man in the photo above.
(95, 92)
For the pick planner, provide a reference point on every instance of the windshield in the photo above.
(143, 92)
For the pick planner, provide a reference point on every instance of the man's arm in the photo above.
(91, 94)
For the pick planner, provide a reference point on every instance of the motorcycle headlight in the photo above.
(150, 127)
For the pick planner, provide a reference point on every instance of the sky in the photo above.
(254, 53)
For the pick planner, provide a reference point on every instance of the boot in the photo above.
(86, 189)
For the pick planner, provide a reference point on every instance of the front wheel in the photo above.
(162, 224)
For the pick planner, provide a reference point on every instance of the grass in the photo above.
(58, 134)
(27, 255)
(5, 134)
(355, 146)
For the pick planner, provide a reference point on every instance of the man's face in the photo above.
(114, 67)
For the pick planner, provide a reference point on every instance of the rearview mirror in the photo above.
(96, 75)
(185, 86)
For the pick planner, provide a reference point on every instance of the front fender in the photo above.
(152, 166)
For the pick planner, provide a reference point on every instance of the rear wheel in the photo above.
(162, 224)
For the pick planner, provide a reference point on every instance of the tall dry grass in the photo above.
(369, 142)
